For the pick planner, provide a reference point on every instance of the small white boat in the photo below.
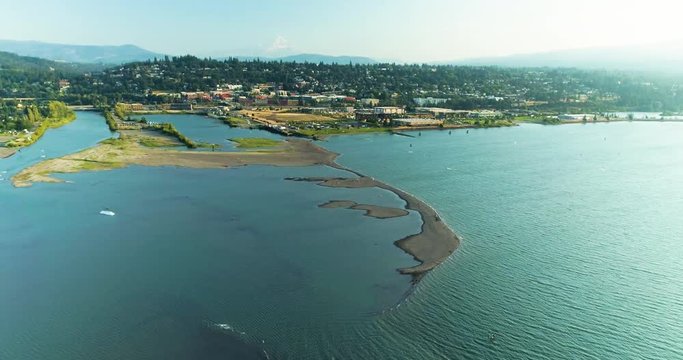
(107, 212)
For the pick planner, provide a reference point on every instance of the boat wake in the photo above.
(243, 336)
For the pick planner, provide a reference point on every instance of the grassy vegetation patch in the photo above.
(150, 141)
(339, 131)
(285, 116)
(92, 165)
(171, 130)
(251, 143)
(113, 141)
(234, 121)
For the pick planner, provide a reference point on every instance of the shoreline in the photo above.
(602, 121)
(435, 242)
(400, 130)
(7, 152)
(130, 150)
(46, 124)
(432, 245)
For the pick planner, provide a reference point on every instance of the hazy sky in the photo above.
(409, 30)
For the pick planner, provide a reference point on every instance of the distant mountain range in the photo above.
(78, 53)
(666, 57)
(129, 53)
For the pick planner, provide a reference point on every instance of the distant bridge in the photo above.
(82, 108)
(18, 99)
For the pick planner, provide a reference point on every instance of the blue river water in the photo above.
(82, 133)
(209, 130)
(571, 240)
(187, 250)
(571, 249)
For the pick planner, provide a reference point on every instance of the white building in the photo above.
(389, 110)
(575, 117)
(437, 112)
(369, 102)
(429, 101)
(486, 114)
(413, 122)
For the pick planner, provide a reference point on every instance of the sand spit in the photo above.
(431, 246)
(114, 154)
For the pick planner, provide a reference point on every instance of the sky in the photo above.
(399, 30)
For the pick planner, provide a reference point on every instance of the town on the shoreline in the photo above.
(317, 99)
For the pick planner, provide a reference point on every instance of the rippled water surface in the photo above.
(209, 264)
(571, 240)
(571, 249)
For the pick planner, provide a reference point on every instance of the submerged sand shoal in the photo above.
(431, 246)
(376, 211)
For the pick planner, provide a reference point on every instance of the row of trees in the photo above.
(17, 116)
(39, 118)
(465, 87)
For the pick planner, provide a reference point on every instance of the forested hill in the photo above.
(456, 87)
(463, 87)
(14, 62)
(24, 76)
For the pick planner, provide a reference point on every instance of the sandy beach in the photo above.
(431, 246)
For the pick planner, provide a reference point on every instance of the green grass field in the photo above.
(342, 131)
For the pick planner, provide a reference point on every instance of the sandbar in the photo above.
(128, 151)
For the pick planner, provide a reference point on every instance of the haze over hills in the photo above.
(101, 54)
(667, 57)
(312, 58)
(327, 59)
